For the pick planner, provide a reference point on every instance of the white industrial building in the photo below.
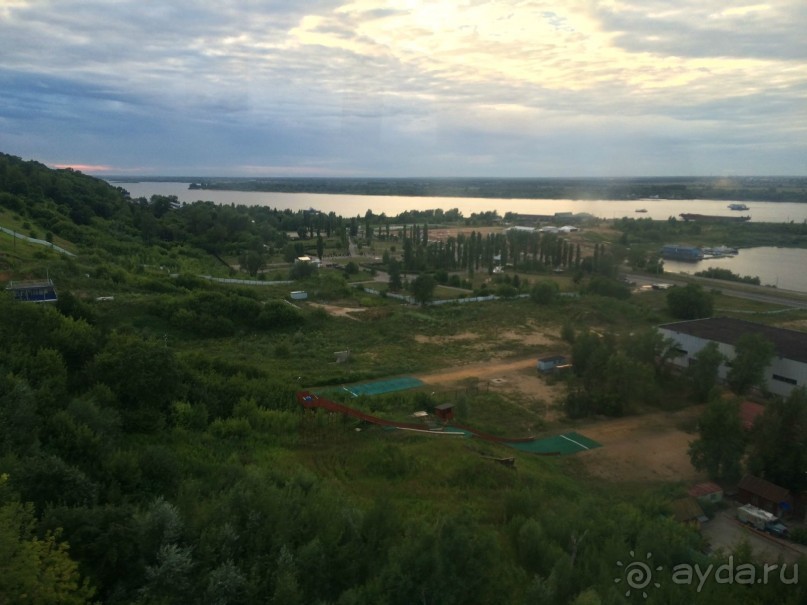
(787, 370)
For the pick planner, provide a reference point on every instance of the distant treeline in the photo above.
(770, 189)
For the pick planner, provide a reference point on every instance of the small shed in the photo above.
(33, 291)
(547, 364)
(342, 356)
(444, 411)
(299, 295)
(706, 492)
(765, 495)
(689, 512)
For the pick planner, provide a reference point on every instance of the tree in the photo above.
(423, 288)
(606, 286)
(34, 570)
(650, 347)
(690, 302)
(252, 262)
(320, 247)
(145, 376)
(625, 384)
(779, 442)
(719, 448)
(394, 275)
(703, 372)
(301, 270)
(753, 354)
(544, 292)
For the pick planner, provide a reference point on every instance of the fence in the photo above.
(39, 242)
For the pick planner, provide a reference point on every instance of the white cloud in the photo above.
(381, 86)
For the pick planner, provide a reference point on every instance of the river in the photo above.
(781, 267)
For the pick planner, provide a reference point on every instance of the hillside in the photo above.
(152, 450)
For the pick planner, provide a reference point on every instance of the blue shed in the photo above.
(33, 291)
(547, 364)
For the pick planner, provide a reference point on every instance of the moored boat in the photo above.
(688, 216)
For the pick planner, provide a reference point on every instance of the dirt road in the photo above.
(725, 533)
(477, 370)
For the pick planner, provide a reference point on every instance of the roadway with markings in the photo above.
(790, 299)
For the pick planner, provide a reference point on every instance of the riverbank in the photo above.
(758, 189)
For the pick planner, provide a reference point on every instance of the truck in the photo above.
(762, 520)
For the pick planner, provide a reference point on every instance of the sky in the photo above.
(370, 88)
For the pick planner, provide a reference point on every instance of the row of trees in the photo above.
(477, 251)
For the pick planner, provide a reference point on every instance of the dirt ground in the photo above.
(651, 447)
(338, 311)
(520, 376)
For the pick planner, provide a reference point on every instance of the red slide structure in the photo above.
(310, 401)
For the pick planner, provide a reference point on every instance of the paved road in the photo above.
(725, 533)
(767, 295)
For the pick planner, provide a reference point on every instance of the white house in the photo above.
(787, 370)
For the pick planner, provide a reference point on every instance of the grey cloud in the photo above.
(694, 29)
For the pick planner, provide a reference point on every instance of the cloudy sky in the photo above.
(406, 87)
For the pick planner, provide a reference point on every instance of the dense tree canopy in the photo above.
(690, 302)
(720, 445)
(778, 449)
(704, 371)
(752, 355)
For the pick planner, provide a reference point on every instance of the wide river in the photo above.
(781, 267)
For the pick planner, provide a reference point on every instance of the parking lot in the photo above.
(724, 532)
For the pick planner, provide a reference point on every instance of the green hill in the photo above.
(152, 450)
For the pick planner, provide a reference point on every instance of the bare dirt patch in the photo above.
(520, 377)
(423, 339)
(338, 311)
(650, 447)
(534, 338)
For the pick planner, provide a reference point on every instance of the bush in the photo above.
(799, 535)
(690, 302)
(544, 292)
(279, 315)
(231, 428)
(604, 286)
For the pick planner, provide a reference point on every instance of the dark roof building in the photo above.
(787, 370)
(444, 411)
(765, 495)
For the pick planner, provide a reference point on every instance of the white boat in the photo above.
(720, 251)
(737, 206)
